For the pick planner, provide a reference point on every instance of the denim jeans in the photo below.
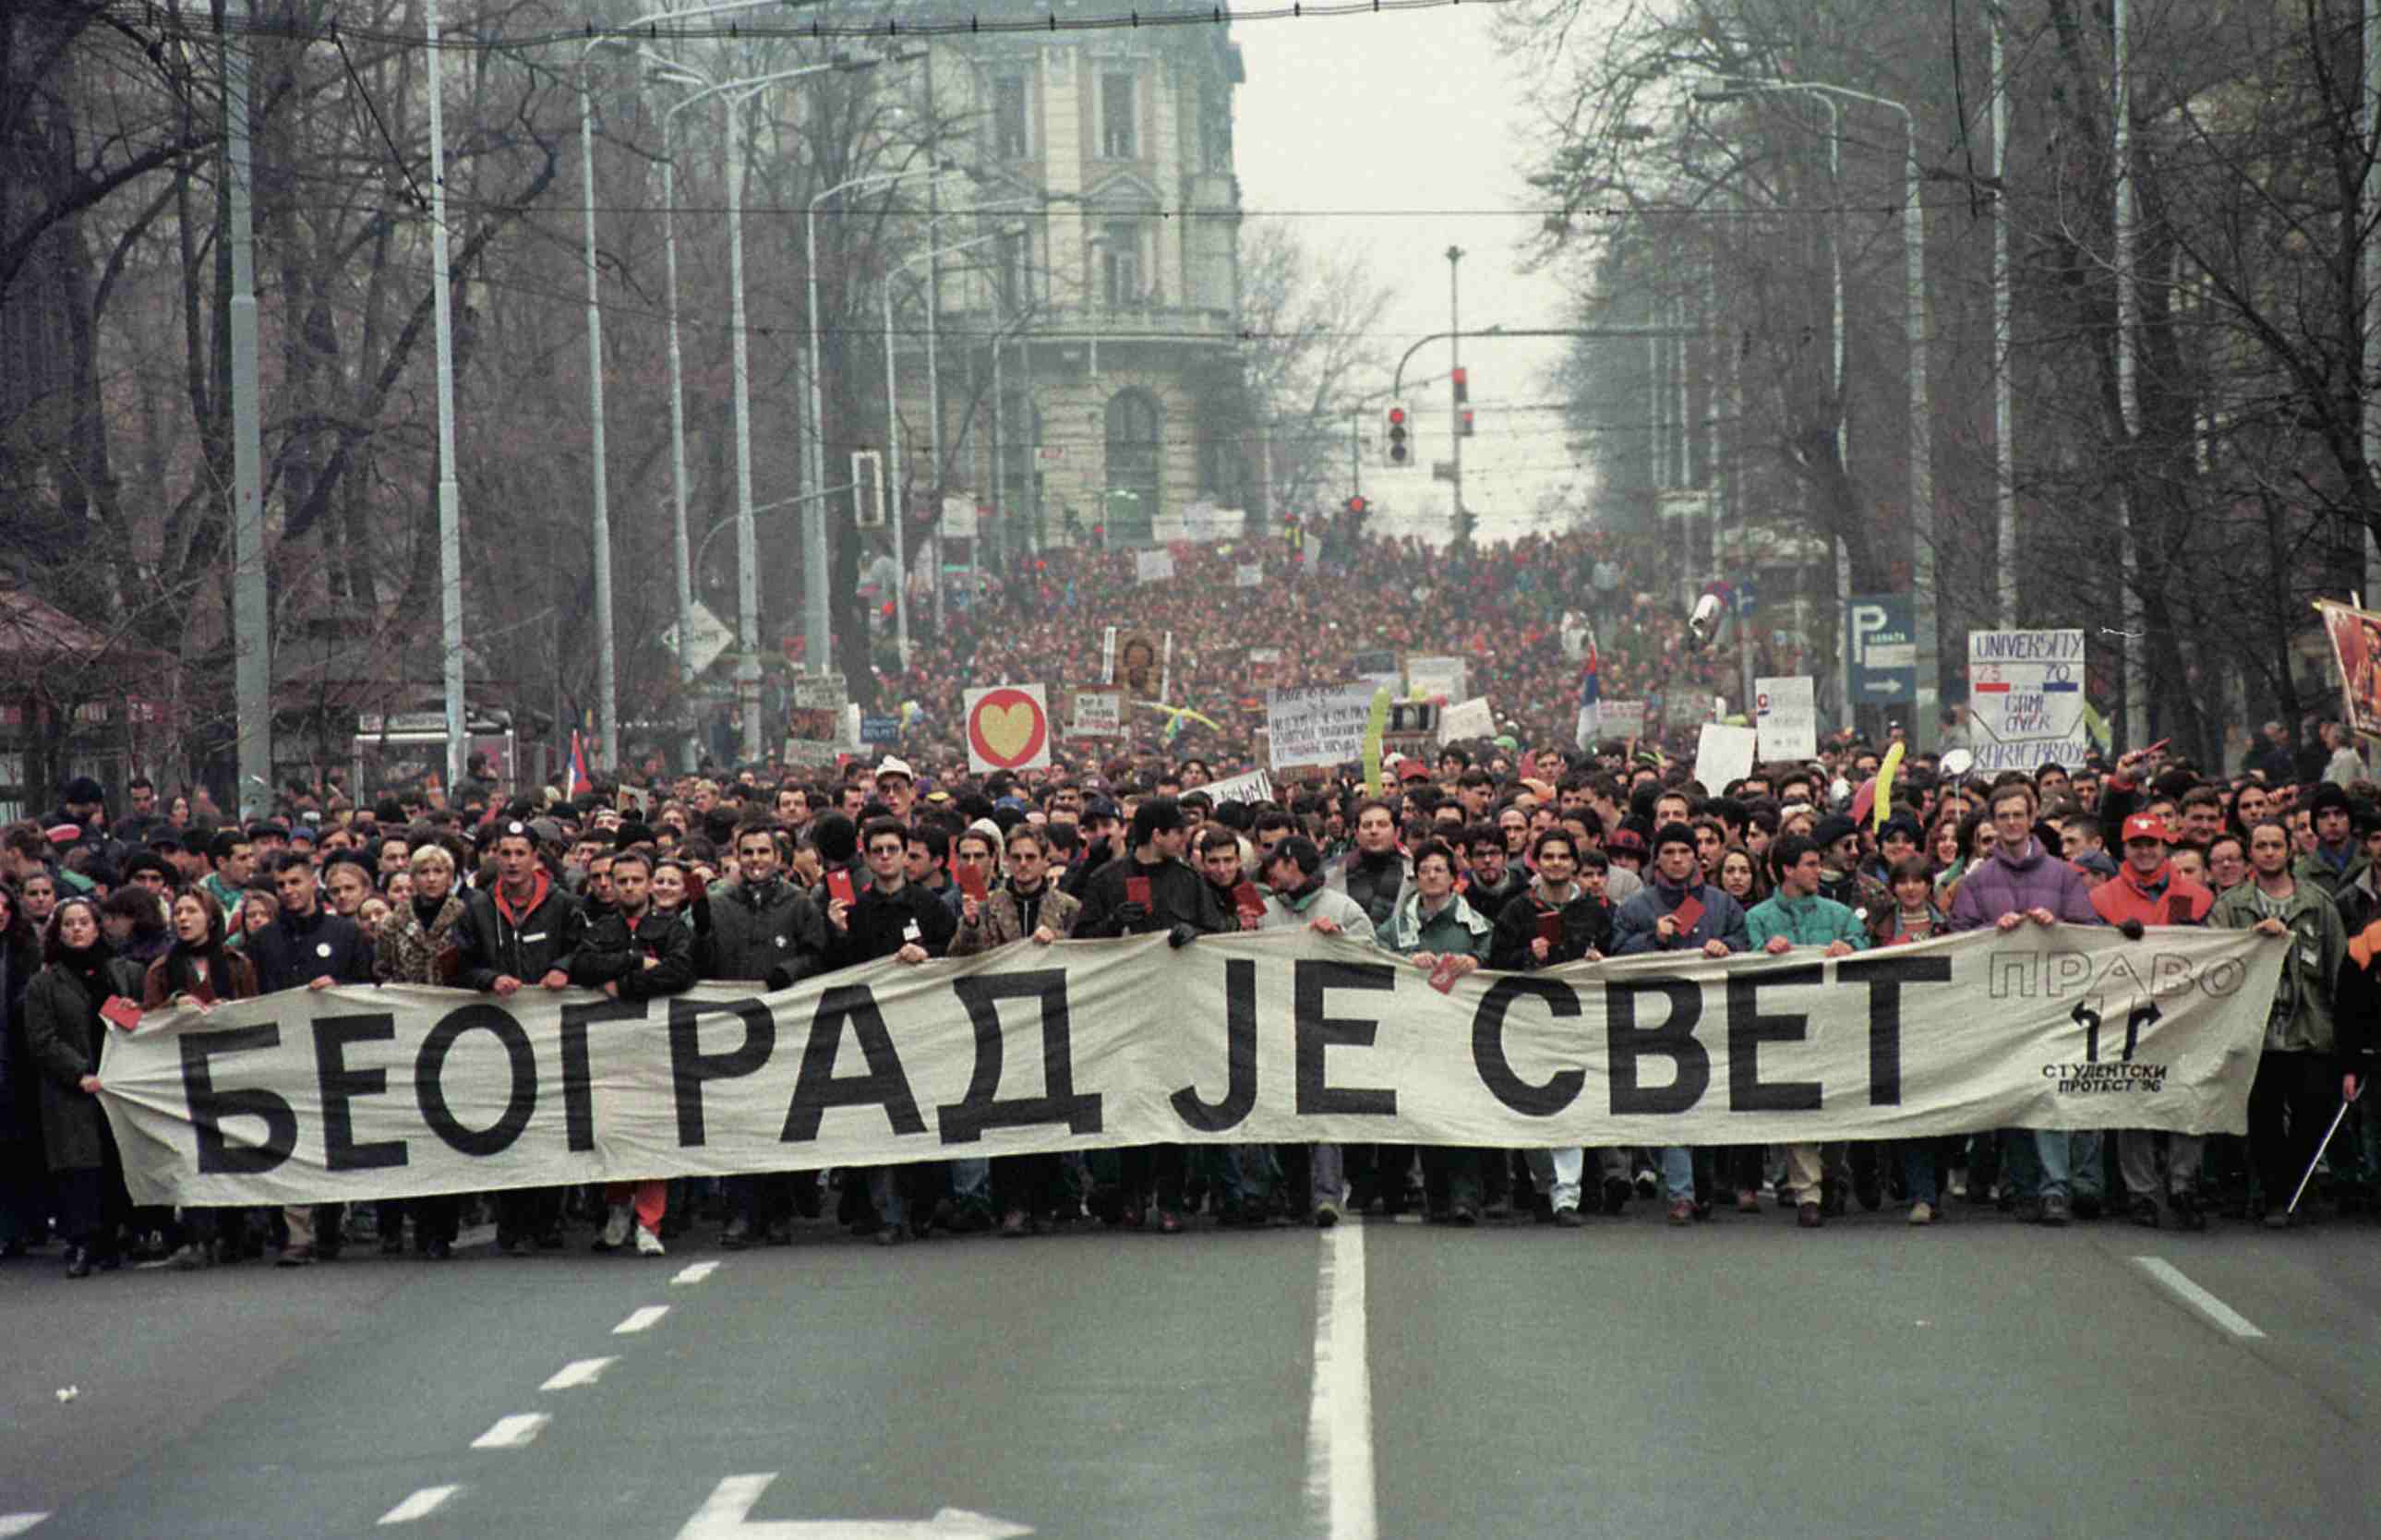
(1678, 1173)
(1556, 1173)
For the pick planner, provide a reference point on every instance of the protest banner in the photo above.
(1723, 754)
(1377, 667)
(2025, 699)
(1095, 713)
(1153, 566)
(1786, 713)
(1324, 725)
(1008, 729)
(1436, 677)
(1621, 719)
(2356, 648)
(1471, 718)
(1249, 574)
(352, 1093)
(1256, 785)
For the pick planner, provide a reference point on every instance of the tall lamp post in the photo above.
(815, 645)
(1922, 471)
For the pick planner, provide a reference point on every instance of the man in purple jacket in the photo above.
(2022, 881)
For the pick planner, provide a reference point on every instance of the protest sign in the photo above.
(1256, 785)
(1153, 566)
(356, 1094)
(1621, 719)
(1434, 677)
(1322, 725)
(1469, 718)
(1723, 754)
(1096, 713)
(1786, 712)
(1008, 729)
(1249, 574)
(2025, 699)
(2356, 648)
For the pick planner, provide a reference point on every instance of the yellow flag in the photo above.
(1885, 773)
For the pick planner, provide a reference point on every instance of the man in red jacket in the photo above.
(2146, 891)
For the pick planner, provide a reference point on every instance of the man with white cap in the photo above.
(898, 786)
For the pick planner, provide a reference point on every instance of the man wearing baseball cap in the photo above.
(898, 786)
(2146, 892)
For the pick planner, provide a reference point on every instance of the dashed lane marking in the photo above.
(584, 1371)
(2199, 1298)
(18, 1523)
(695, 1272)
(641, 1319)
(420, 1505)
(511, 1432)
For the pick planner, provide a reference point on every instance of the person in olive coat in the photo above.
(64, 1030)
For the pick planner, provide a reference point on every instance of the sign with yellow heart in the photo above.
(1008, 729)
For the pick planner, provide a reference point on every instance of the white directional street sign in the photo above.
(723, 1517)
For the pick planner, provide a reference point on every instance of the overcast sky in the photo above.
(1377, 133)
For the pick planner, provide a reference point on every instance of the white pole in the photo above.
(252, 597)
(747, 620)
(1922, 464)
(2134, 720)
(2004, 445)
(687, 750)
(450, 516)
(600, 515)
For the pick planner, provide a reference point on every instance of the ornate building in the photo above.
(1088, 337)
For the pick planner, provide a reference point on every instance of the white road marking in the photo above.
(511, 1432)
(695, 1272)
(420, 1505)
(2197, 1298)
(641, 1319)
(18, 1523)
(722, 1516)
(571, 1375)
(1339, 1416)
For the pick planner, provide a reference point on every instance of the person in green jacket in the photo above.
(1434, 927)
(1797, 916)
(2296, 1070)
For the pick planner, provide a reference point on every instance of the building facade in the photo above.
(1088, 336)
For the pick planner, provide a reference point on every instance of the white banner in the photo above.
(2025, 699)
(1153, 566)
(1786, 711)
(1288, 1038)
(1442, 677)
(1722, 755)
(1471, 718)
(1255, 786)
(1249, 575)
(1098, 714)
(1317, 727)
(1621, 719)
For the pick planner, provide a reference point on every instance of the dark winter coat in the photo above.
(64, 1031)
(1177, 896)
(771, 932)
(879, 923)
(497, 942)
(615, 952)
(292, 952)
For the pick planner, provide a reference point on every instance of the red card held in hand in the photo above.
(1248, 900)
(1690, 910)
(1136, 891)
(1442, 978)
(1550, 926)
(839, 887)
(120, 1013)
(971, 882)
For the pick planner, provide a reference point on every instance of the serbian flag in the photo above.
(580, 784)
(1591, 695)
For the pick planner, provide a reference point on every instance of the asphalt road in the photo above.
(1740, 1377)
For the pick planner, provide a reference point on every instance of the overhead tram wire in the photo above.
(165, 24)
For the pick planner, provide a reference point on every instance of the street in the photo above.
(1979, 1378)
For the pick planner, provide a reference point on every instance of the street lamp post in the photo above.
(815, 547)
(1922, 471)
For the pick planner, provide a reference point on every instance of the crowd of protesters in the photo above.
(1482, 854)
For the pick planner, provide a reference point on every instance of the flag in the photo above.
(580, 784)
(1591, 695)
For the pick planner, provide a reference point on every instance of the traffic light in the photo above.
(1463, 421)
(1400, 450)
(867, 489)
(1462, 387)
(1099, 537)
(1356, 506)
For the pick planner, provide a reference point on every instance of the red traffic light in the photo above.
(1396, 415)
(1357, 504)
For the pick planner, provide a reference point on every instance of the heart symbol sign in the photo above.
(1008, 729)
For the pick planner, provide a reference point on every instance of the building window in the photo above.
(1120, 284)
(1009, 272)
(1012, 132)
(1135, 451)
(1117, 121)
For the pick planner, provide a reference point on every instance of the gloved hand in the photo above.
(2130, 929)
(1129, 914)
(1180, 935)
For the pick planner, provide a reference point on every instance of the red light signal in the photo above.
(1462, 387)
(1464, 423)
(1357, 504)
(1400, 449)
